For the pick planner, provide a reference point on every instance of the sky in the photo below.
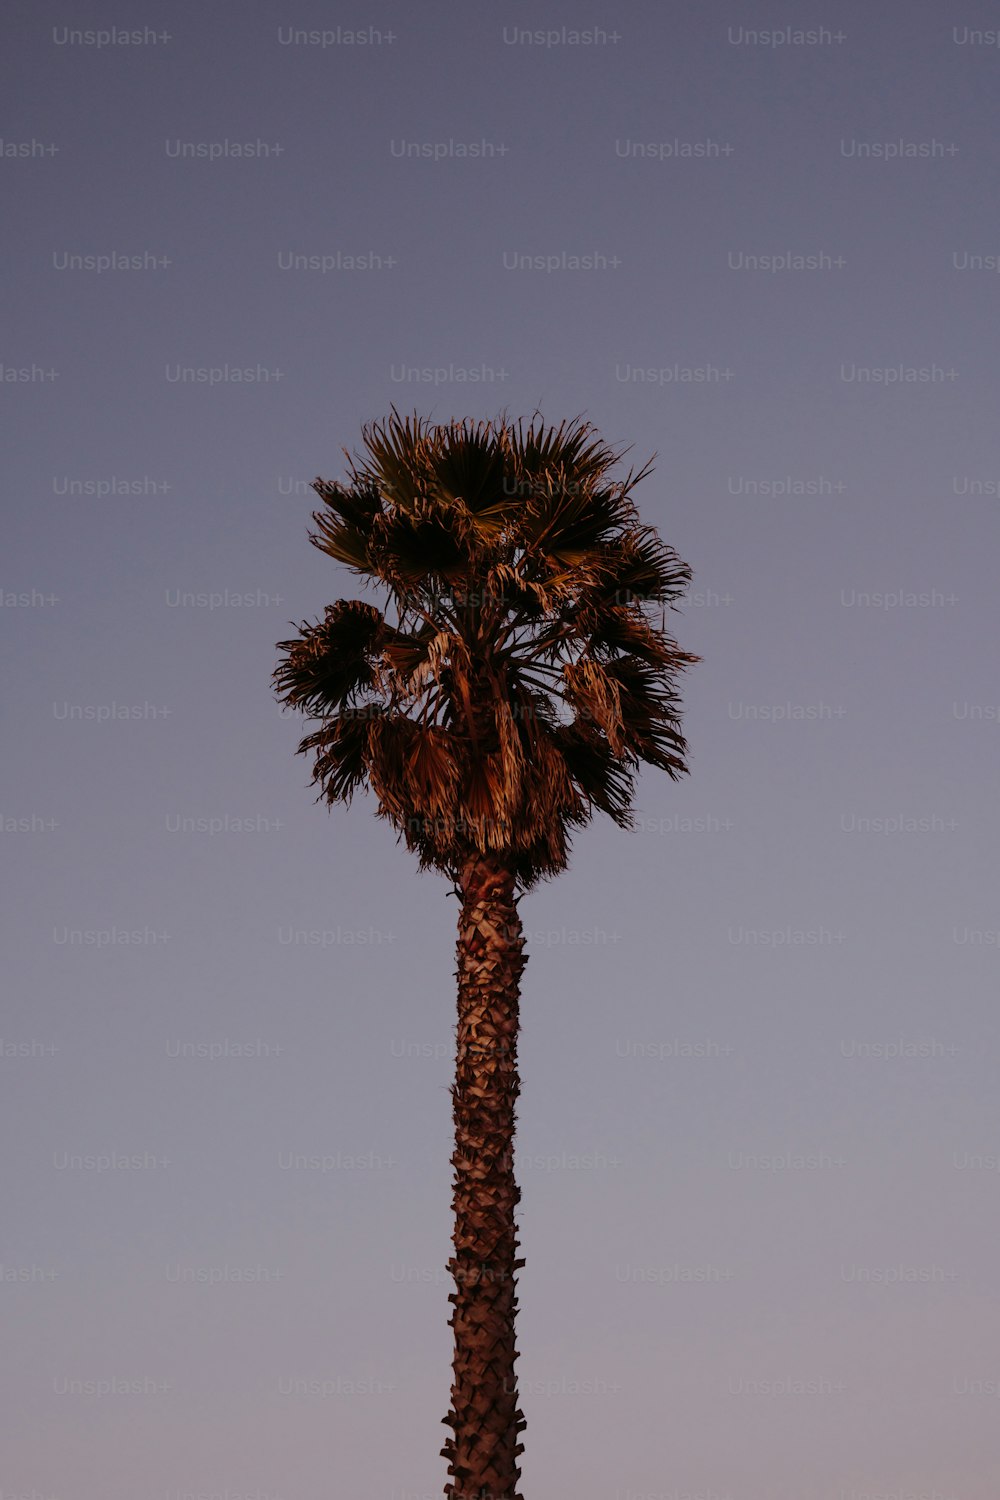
(758, 1132)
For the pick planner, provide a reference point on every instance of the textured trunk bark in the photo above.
(485, 1419)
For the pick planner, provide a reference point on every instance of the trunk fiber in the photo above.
(485, 1419)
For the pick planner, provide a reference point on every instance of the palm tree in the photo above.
(518, 688)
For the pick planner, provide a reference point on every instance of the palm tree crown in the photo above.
(522, 681)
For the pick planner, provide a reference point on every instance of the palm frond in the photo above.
(523, 683)
(330, 662)
(341, 746)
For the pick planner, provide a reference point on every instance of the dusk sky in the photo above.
(759, 1126)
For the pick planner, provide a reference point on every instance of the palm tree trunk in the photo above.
(484, 1417)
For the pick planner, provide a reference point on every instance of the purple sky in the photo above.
(759, 1136)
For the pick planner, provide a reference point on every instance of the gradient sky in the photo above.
(759, 1135)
